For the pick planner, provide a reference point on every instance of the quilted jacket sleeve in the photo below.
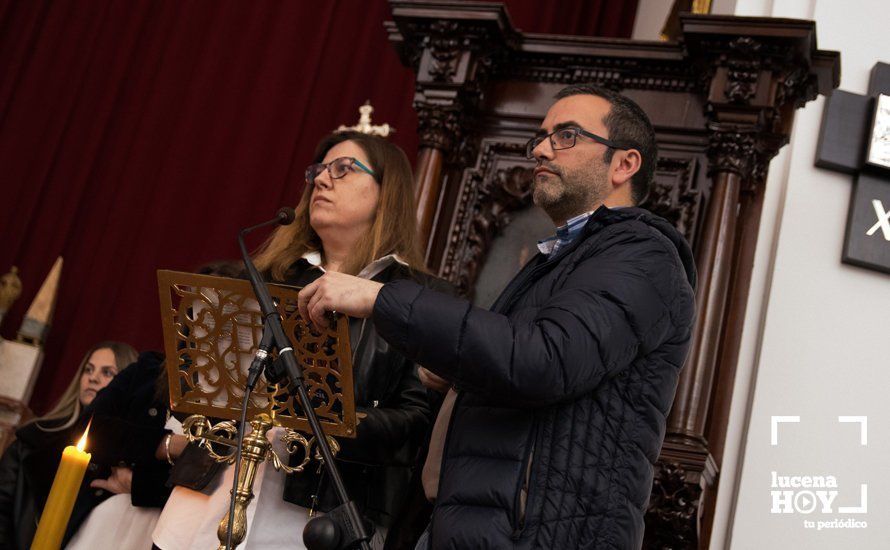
(613, 306)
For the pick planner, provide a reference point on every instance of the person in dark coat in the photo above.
(29, 464)
(128, 431)
(563, 387)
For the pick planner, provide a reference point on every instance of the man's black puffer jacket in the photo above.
(573, 372)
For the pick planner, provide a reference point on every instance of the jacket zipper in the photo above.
(513, 291)
(529, 272)
(505, 301)
(520, 513)
(361, 334)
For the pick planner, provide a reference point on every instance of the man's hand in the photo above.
(337, 292)
(120, 481)
(433, 381)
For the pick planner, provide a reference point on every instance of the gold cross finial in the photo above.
(364, 124)
(10, 289)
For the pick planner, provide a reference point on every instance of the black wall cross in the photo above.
(855, 139)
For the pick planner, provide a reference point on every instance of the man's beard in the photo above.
(568, 193)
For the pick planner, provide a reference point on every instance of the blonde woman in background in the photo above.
(29, 464)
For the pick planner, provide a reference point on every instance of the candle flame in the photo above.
(83, 439)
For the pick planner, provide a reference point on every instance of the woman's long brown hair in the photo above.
(394, 230)
(68, 406)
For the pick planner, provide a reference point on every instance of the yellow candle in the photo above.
(60, 502)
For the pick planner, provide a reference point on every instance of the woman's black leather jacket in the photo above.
(377, 464)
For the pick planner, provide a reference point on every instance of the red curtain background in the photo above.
(138, 135)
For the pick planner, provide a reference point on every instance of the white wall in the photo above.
(817, 338)
(650, 19)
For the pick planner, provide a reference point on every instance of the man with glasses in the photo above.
(563, 387)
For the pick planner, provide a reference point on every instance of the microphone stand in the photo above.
(351, 528)
(260, 362)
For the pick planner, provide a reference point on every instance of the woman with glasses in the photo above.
(356, 216)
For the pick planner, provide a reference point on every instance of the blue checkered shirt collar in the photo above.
(564, 234)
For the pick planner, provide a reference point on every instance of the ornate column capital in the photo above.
(731, 149)
(439, 126)
(453, 57)
(743, 150)
(754, 75)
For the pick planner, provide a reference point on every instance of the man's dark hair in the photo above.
(626, 122)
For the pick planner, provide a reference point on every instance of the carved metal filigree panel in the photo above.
(212, 327)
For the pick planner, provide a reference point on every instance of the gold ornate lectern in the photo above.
(212, 328)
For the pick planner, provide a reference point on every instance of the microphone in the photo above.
(272, 321)
(285, 216)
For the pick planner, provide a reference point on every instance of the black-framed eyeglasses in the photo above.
(565, 138)
(337, 168)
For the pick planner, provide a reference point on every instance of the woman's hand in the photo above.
(176, 446)
(120, 481)
(433, 381)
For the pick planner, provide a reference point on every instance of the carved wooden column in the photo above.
(750, 208)
(757, 77)
(439, 129)
(452, 58)
(687, 468)
(729, 154)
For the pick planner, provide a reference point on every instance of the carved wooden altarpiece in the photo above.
(722, 99)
